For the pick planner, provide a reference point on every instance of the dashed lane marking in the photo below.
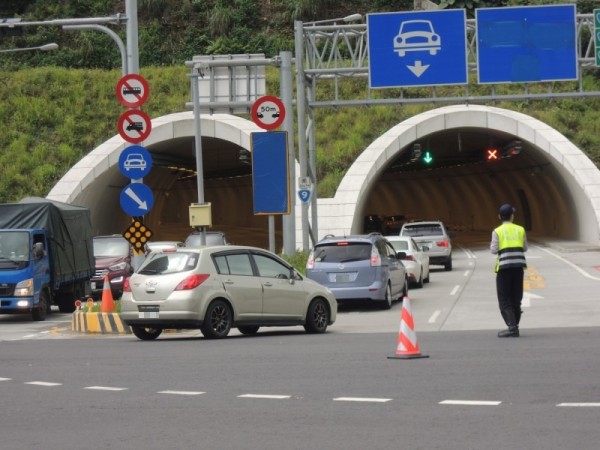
(43, 383)
(181, 392)
(579, 405)
(470, 402)
(362, 399)
(455, 290)
(271, 397)
(105, 388)
(434, 316)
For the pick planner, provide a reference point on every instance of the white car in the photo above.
(416, 260)
(417, 36)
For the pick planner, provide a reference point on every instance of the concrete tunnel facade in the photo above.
(556, 188)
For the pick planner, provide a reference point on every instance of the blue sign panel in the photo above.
(135, 162)
(526, 44)
(422, 48)
(270, 178)
(137, 199)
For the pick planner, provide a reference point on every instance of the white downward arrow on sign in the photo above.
(135, 198)
(418, 69)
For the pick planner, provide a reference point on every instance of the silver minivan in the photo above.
(360, 267)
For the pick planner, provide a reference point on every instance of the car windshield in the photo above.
(111, 247)
(340, 252)
(166, 263)
(413, 26)
(423, 230)
(399, 245)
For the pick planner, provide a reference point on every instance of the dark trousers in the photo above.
(509, 287)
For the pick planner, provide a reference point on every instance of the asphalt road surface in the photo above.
(285, 389)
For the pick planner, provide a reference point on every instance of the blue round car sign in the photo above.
(135, 162)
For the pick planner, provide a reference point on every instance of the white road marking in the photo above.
(5, 379)
(434, 316)
(578, 269)
(43, 383)
(273, 397)
(470, 402)
(29, 336)
(455, 290)
(467, 272)
(105, 388)
(580, 405)
(526, 302)
(362, 399)
(181, 392)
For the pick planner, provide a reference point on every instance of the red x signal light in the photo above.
(492, 154)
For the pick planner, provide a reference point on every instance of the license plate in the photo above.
(148, 312)
(93, 285)
(342, 277)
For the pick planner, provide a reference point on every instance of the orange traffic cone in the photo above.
(408, 347)
(108, 303)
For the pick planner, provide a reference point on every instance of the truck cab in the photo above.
(24, 273)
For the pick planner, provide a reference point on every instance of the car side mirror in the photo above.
(401, 255)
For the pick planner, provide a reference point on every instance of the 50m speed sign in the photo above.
(268, 112)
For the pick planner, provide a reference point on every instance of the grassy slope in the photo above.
(52, 117)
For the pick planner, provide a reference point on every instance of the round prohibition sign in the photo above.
(268, 112)
(134, 126)
(132, 90)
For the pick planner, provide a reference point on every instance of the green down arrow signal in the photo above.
(427, 158)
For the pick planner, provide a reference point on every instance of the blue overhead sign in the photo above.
(526, 44)
(423, 48)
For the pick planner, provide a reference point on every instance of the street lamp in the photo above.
(351, 18)
(44, 48)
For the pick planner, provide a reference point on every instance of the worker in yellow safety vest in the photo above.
(509, 243)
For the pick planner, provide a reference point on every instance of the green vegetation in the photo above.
(57, 107)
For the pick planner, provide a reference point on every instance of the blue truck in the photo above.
(46, 256)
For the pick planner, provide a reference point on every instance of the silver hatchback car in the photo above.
(433, 235)
(217, 288)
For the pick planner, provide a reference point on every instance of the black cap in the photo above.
(506, 211)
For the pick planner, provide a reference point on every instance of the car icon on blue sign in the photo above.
(417, 36)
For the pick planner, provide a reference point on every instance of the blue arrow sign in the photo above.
(135, 162)
(526, 44)
(423, 48)
(137, 199)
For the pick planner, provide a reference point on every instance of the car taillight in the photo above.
(192, 282)
(410, 258)
(442, 243)
(126, 285)
(375, 258)
(310, 262)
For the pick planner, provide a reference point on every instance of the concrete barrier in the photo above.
(98, 322)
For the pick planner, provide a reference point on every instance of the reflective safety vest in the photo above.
(511, 239)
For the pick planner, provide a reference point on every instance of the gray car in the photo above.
(432, 234)
(216, 288)
(360, 267)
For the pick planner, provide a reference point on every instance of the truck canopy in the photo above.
(69, 230)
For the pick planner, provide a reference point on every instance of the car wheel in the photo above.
(405, 289)
(248, 329)
(146, 334)
(317, 317)
(387, 302)
(426, 279)
(217, 321)
(419, 283)
(448, 265)
(41, 311)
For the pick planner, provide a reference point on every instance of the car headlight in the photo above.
(24, 288)
(116, 267)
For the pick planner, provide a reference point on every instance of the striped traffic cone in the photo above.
(108, 303)
(408, 347)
